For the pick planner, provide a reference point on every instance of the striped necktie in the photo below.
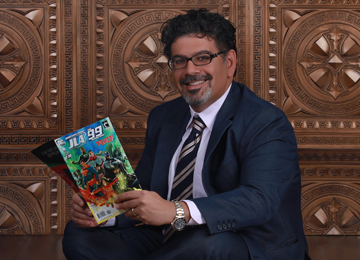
(182, 188)
(184, 174)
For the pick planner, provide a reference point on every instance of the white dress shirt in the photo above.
(208, 116)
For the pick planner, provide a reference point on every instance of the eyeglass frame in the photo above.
(212, 56)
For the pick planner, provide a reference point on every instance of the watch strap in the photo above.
(179, 210)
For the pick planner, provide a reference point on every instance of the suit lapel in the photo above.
(223, 121)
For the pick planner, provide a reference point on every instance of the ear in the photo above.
(231, 63)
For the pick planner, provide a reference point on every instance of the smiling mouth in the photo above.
(195, 80)
(195, 83)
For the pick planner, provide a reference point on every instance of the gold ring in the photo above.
(133, 212)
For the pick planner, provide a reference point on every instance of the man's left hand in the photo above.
(146, 206)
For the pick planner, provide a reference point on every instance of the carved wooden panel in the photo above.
(36, 89)
(65, 64)
(313, 72)
(331, 191)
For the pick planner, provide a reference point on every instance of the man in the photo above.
(90, 176)
(244, 198)
(84, 156)
(95, 159)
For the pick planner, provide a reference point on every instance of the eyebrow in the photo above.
(201, 52)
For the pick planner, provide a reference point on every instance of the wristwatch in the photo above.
(179, 221)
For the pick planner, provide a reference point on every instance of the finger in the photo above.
(81, 209)
(76, 198)
(132, 214)
(130, 195)
(82, 220)
(80, 215)
(85, 223)
(127, 205)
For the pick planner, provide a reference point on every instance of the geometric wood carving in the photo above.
(313, 69)
(139, 71)
(321, 61)
(237, 14)
(29, 67)
(22, 64)
(330, 191)
(31, 201)
(31, 101)
(331, 208)
(20, 209)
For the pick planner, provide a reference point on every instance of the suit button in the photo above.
(233, 225)
(219, 227)
(229, 225)
(224, 226)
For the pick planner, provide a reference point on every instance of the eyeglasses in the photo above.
(200, 59)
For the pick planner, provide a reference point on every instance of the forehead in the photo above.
(189, 45)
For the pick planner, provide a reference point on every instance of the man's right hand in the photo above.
(81, 214)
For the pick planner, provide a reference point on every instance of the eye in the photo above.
(203, 58)
(178, 61)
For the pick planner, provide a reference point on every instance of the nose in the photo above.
(191, 67)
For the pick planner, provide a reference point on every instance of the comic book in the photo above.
(93, 162)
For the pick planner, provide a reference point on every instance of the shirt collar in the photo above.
(209, 114)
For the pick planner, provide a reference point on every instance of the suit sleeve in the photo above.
(264, 159)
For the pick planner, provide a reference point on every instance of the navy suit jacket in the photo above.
(250, 174)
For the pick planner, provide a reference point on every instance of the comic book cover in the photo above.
(98, 165)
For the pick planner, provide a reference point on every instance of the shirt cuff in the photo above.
(196, 217)
(110, 223)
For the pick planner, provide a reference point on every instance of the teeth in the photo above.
(196, 83)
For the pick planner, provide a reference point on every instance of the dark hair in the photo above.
(202, 23)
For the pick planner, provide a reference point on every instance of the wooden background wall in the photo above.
(67, 63)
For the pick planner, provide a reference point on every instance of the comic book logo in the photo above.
(106, 124)
(76, 140)
(95, 133)
(60, 142)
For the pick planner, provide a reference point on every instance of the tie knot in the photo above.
(198, 125)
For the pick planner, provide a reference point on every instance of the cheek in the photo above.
(175, 79)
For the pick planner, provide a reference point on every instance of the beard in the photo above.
(196, 97)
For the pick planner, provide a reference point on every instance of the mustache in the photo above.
(191, 78)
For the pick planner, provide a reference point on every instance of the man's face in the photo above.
(83, 164)
(201, 86)
(91, 153)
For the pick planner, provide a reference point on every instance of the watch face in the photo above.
(179, 224)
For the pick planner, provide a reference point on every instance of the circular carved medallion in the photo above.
(138, 68)
(21, 209)
(321, 62)
(21, 61)
(331, 209)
